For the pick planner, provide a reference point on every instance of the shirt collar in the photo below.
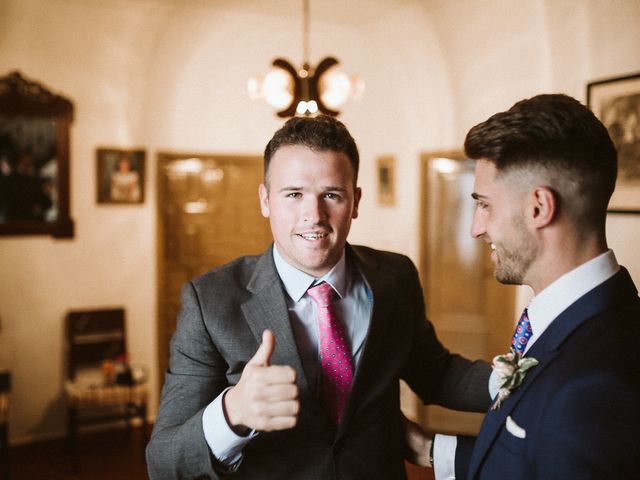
(562, 293)
(296, 282)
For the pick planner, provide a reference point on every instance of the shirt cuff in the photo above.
(225, 445)
(444, 457)
(495, 382)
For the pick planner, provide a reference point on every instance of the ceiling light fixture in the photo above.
(308, 90)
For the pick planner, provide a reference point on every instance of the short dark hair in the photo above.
(562, 141)
(321, 133)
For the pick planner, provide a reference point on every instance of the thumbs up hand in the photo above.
(266, 397)
(264, 352)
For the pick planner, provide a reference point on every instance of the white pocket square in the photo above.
(514, 429)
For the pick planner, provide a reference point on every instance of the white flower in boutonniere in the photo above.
(511, 369)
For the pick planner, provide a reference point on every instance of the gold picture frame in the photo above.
(616, 102)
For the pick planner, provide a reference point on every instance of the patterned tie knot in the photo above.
(522, 334)
(322, 294)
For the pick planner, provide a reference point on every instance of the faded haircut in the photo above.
(557, 142)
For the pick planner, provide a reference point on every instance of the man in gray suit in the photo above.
(246, 391)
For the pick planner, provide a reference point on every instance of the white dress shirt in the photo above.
(353, 306)
(542, 311)
(566, 290)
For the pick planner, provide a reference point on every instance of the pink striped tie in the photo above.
(335, 355)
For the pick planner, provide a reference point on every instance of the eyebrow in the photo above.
(477, 196)
(329, 188)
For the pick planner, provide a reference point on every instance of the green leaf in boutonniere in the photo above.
(511, 369)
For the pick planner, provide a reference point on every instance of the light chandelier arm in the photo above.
(290, 111)
(324, 65)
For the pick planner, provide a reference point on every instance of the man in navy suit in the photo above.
(545, 171)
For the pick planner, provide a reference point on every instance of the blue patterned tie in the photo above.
(522, 334)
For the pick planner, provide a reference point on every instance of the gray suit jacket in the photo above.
(224, 313)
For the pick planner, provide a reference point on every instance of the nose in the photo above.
(477, 225)
(314, 210)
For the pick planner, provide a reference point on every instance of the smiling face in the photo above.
(310, 202)
(500, 220)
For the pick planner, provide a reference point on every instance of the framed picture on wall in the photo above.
(616, 102)
(121, 175)
(35, 128)
(386, 173)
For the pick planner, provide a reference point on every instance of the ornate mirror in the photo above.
(34, 159)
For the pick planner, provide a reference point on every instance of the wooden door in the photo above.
(208, 214)
(473, 314)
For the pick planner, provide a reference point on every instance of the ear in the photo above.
(263, 194)
(357, 195)
(544, 206)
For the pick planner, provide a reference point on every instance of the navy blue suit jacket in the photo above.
(579, 407)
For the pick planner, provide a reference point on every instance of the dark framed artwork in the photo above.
(386, 173)
(616, 102)
(121, 175)
(34, 159)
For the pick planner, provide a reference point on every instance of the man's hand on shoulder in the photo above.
(266, 397)
(419, 444)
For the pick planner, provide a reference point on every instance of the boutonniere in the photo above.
(511, 369)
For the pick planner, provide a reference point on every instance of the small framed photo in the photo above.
(616, 102)
(386, 173)
(121, 175)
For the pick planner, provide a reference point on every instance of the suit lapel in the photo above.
(495, 419)
(546, 348)
(383, 302)
(267, 309)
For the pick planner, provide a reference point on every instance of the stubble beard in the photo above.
(514, 260)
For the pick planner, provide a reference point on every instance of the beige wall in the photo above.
(170, 75)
